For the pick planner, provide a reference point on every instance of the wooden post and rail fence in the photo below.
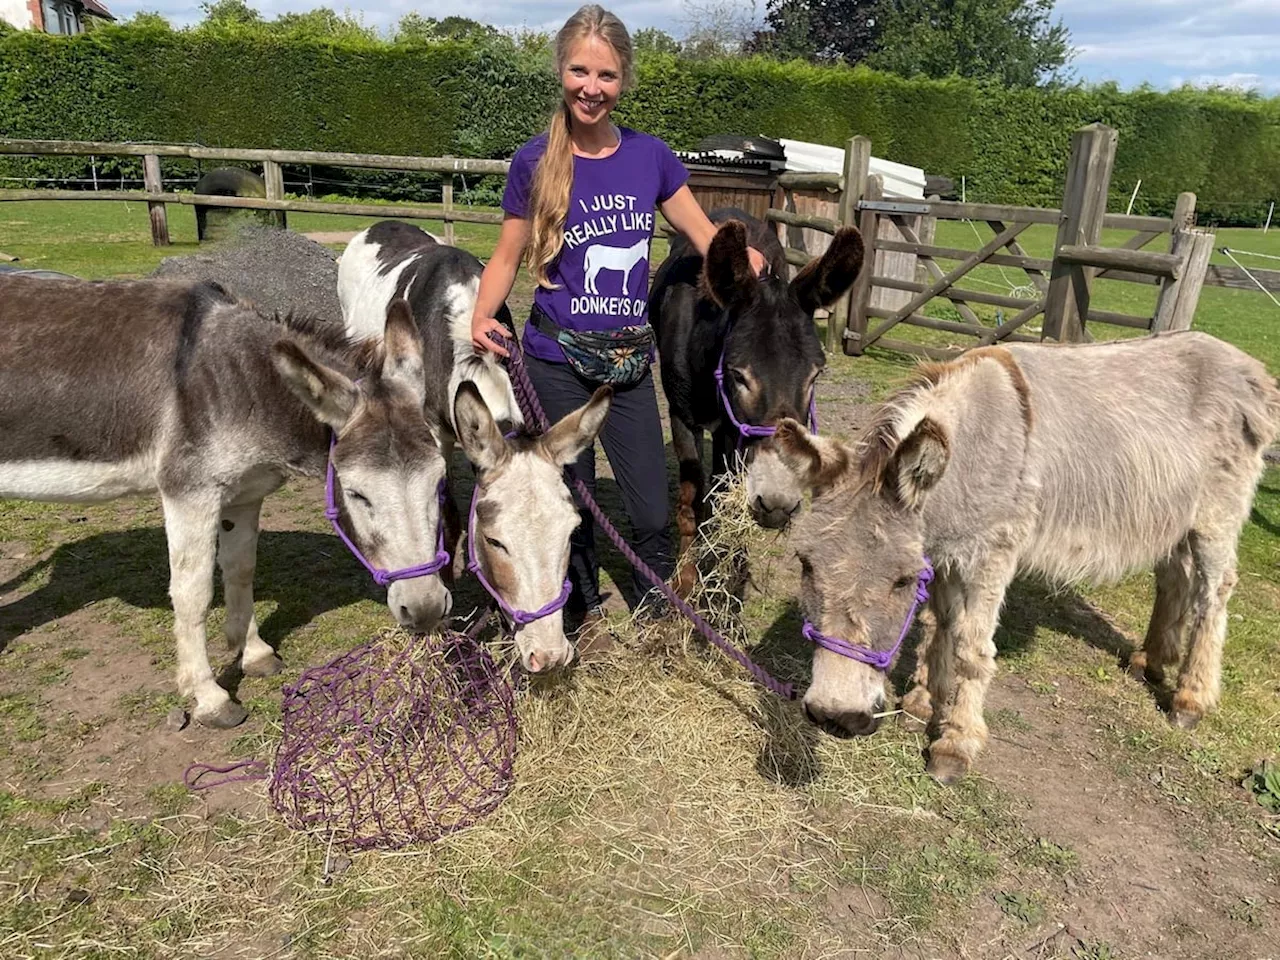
(1059, 288)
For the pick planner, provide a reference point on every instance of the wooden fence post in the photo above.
(446, 201)
(1084, 204)
(860, 295)
(156, 210)
(1182, 246)
(857, 166)
(273, 176)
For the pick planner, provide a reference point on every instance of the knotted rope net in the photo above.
(401, 740)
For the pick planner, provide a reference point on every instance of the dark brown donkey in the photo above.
(111, 389)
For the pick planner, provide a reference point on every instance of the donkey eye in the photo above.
(738, 378)
(359, 498)
(903, 582)
(496, 544)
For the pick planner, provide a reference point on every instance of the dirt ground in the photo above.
(1140, 867)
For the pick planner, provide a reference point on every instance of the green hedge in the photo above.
(245, 90)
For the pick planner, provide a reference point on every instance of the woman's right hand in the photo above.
(480, 329)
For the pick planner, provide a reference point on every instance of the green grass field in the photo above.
(664, 806)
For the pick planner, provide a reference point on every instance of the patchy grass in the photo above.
(664, 805)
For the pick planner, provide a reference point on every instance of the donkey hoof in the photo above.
(262, 667)
(1186, 719)
(226, 715)
(947, 769)
(917, 709)
(1141, 670)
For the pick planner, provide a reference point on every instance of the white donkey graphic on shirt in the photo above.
(623, 259)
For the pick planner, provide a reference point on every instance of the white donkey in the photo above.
(1080, 462)
(524, 513)
(622, 259)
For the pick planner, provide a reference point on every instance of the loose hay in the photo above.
(402, 740)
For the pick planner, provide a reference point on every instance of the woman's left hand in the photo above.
(758, 262)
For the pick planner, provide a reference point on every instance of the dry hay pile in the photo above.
(402, 740)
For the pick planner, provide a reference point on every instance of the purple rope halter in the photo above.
(383, 577)
(880, 659)
(527, 397)
(518, 618)
(751, 431)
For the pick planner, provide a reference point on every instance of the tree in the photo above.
(414, 26)
(653, 40)
(718, 28)
(229, 13)
(321, 22)
(148, 19)
(1015, 42)
(819, 30)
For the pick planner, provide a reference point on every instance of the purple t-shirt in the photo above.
(602, 272)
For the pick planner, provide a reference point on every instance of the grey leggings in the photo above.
(632, 440)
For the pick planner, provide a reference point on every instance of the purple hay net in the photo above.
(396, 742)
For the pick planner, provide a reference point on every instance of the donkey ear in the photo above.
(727, 277)
(826, 279)
(327, 393)
(577, 431)
(403, 361)
(818, 463)
(918, 463)
(478, 434)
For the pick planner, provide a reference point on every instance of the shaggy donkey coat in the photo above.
(111, 389)
(1073, 462)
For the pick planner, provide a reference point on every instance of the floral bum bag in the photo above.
(619, 356)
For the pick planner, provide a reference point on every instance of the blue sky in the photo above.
(1161, 42)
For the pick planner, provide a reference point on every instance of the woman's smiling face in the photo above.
(592, 80)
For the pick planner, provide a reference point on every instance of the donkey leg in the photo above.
(1174, 596)
(916, 704)
(1215, 578)
(191, 528)
(688, 449)
(238, 556)
(935, 672)
(973, 660)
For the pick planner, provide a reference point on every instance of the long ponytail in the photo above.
(553, 178)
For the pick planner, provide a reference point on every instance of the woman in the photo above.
(579, 209)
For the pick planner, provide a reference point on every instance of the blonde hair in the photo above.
(553, 178)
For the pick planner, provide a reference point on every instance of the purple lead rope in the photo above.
(380, 576)
(527, 397)
(519, 618)
(749, 431)
(880, 659)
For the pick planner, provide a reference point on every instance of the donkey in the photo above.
(117, 388)
(717, 317)
(620, 259)
(518, 548)
(1073, 462)
(392, 261)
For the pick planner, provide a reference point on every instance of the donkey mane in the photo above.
(880, 439)
(365, 355)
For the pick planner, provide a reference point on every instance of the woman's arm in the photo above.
(683, 212)
(496, 282)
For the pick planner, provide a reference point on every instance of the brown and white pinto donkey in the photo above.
(1074, 463)
(112, 389)
(523, 512)
(759, 333)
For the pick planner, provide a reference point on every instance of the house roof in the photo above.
(97, 8)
